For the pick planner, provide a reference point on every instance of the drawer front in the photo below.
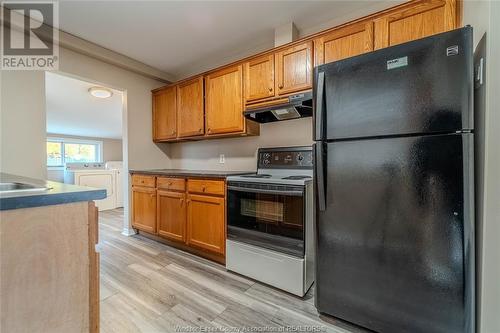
(205, 186)
(143, 180)
(172, 184)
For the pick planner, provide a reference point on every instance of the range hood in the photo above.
(295, 106)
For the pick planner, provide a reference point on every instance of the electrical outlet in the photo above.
(222, 159)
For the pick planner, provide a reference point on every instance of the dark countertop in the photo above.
(191, 173)
(58, 193)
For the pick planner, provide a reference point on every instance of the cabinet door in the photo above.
(190, 117)
(144, 208)
(343, 43)
(224, 109)
(164, 114)
(294, 68)
(259, 78)
(206, 223)
(171, 215)
(420, 20)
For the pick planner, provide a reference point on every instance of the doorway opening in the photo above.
(85, 137)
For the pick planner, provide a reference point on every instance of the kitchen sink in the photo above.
(20, 187)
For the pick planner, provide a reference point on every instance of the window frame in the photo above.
(63, 141)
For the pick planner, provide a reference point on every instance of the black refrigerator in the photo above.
(394, 173)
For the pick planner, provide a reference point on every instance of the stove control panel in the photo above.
(285, 158)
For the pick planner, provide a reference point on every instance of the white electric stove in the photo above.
(270, 220)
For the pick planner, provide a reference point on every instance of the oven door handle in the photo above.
(264, 191)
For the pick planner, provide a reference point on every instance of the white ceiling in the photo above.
(187, 37)
(71, 110)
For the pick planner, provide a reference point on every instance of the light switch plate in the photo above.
(222, 159)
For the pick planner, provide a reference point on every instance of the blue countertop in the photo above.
(56, 194)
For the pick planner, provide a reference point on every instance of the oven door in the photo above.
(267, 215)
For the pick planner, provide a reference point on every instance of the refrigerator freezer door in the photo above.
(424, 86)
(395, 242)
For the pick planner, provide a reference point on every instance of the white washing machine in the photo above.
(96, 175)
(119, 181)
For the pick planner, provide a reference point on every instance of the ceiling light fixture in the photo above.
(100, 92)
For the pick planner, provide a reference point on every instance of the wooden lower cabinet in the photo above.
(190, 215)
(144, 208)
(171, 215)
(206, 227)
(94, 271)
(50, 269)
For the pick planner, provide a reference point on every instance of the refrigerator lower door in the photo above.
(395, 239)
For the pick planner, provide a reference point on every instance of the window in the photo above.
(61, 151)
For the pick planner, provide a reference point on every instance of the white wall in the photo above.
(240, 153)
(139, 149)
(22, 123)
(23, 127)
(484, 16)
(490, 303)
(142, 152)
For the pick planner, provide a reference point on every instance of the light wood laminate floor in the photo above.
(150, 287)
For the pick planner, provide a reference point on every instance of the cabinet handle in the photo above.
(209, 130)
(270, 89)
(182, 201)
(152, 195)
(280, 86)
(200, 130)
(203, 189)
(173, 132)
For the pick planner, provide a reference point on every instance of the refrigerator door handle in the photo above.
(320, 177)
(318, 114)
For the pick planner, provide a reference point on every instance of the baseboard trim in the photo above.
(128, 232)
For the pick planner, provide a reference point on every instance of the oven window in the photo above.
(270, 220)
(263, 211)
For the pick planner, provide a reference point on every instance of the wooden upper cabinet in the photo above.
(224, 101)
(171, 215)
(144, 208)
(259, 78)
(294, 68)
(206, 223)
(164, 114)
(343, 43)
(190, 116)
(420, 20)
